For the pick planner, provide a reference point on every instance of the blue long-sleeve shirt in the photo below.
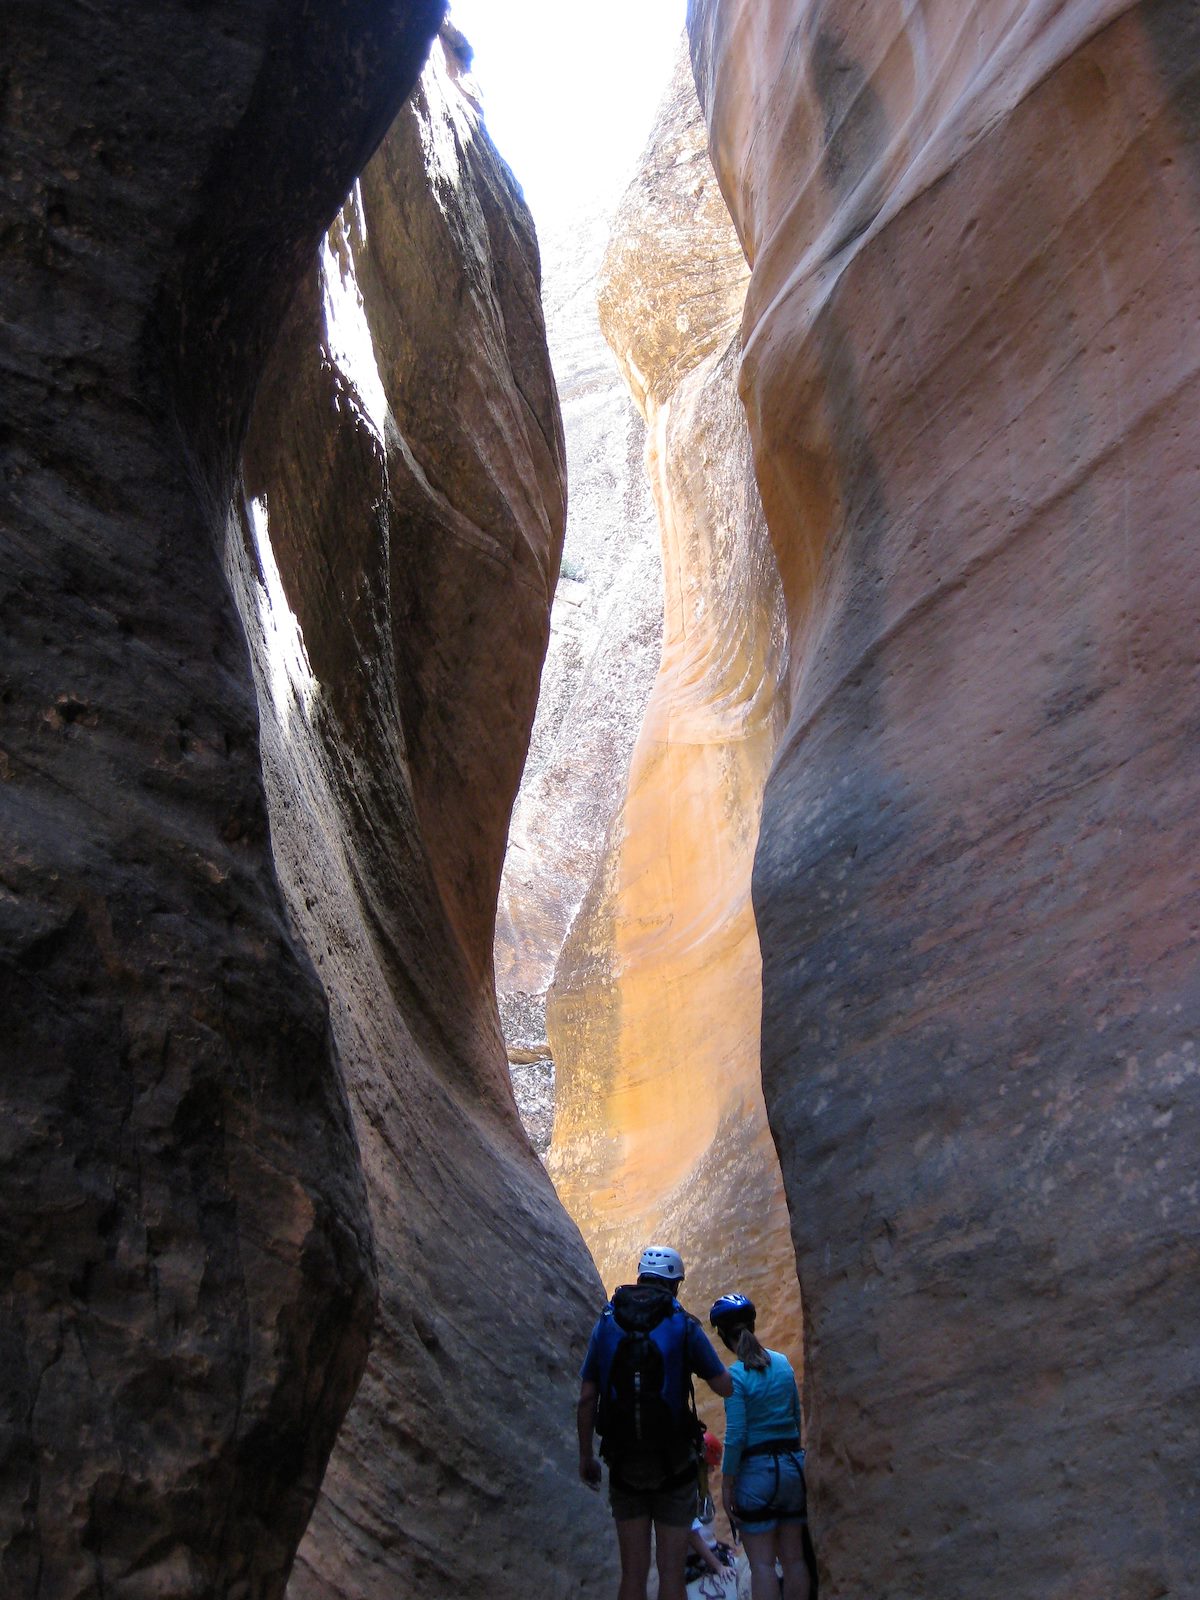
(763, 1405)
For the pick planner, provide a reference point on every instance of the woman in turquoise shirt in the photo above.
(762, 1472)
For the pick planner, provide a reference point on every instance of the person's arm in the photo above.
(727, 1502)
(731, 1459)
(706, 1552)
(706, 1363)
(585, 1423)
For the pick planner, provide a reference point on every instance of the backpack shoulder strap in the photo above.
(689, 1396)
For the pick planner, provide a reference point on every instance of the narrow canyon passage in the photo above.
(626, 930)
(853, 875)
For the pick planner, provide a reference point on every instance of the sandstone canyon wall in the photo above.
(660, 1128)
(187, 1274)
(189, 1194)
(969, 365)
(403, 517)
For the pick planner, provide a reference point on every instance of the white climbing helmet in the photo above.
(660, 1261)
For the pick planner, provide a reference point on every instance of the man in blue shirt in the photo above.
(635, 1390)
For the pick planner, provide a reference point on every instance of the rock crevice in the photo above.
(660, 1129)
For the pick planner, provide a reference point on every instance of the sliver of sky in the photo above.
(570, 88)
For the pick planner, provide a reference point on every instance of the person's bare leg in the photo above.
(633, 1541)
(670, 1552)
(791, 1554)
(760, 1550)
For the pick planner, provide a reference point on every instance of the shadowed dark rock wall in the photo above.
(970, 366)
(187, 1268)
(403, 520)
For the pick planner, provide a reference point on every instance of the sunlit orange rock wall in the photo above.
(970, 372)
(403, 515)
(660, 1130)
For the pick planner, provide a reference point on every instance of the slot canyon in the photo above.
(838, 896)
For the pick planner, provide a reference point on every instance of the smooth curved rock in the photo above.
(403, 519)
(187, 1275)
(970, 373)
(660, 1129)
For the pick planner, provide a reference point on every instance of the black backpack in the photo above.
(636, 1419)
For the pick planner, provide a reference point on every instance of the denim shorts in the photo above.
(770, 1490)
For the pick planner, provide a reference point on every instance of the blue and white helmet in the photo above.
(660, 1261)
(732, 1308)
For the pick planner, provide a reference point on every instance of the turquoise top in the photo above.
(763, 1405)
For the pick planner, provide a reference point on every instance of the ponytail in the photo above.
(753, 1356)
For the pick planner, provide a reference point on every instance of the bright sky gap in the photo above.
(570, 90)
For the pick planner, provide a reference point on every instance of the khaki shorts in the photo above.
(674, 1508)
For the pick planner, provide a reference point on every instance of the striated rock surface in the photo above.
(660, 1129)
(970, 371)
(605, 641)
(403, 518)
(186, 1277)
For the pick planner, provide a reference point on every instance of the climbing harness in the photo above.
(788, 1449)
